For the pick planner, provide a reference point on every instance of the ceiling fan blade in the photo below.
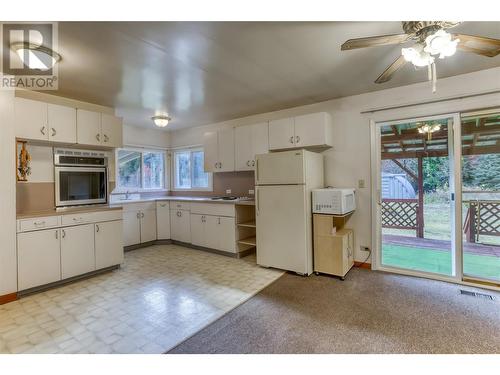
(391, 69)
(373, 41)
(478, 44)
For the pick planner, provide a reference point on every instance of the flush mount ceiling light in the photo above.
(35, 56)
(161, 120)
(429, 129)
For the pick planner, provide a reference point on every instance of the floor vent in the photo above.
(474, 294)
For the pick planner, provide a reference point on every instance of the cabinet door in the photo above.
(131, 228)
(77, 250)
(108, 244)
(260, 140)
(211, 233)
(310, 129)
(211, 158)
(243, 148)
(281, 134)
(226, 150)
(198, 236)
(38, 258)
(31, 119)
(61, 123)
(111, 131)
(88, 127)
(163, 220)
(226, 234)
(148, 225)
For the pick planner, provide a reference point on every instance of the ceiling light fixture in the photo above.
(440, 43)
(161, 120)
(35, 56)
(429, 129)
(417, 55)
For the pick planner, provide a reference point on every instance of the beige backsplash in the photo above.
(238, 182)
(34, 196)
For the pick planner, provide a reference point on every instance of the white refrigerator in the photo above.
(283, 185)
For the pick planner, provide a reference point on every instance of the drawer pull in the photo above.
(39, 223)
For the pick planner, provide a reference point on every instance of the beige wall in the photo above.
(349, 159)
(8, 258)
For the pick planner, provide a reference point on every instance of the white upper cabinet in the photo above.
(61, 122)
(281, 134)
(249, 141)
(311, 130)
(111, 131)
(98, 129)
(44, 122)
(218, 149)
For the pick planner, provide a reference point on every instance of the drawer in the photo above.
(215, 209)
(112, 215)
(26, 225)
(179, 205)
(74, 219)
(139, 206)
(163, 205)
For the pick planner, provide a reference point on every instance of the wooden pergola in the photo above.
(480, 135)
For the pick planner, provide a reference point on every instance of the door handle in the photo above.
(98, 137)
(42, 130)
(379, 194)
(54, 132)
(297, 139)
(257, 201)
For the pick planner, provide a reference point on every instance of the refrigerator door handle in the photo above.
(258, 201)
(257, 170)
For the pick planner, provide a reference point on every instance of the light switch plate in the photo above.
(228, 191)
(251, 192)
(361, 184)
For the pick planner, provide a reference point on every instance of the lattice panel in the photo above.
(488, 217)
(399, 213)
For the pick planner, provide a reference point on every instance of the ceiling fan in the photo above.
(431, 40)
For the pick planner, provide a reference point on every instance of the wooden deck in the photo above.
(425, 243)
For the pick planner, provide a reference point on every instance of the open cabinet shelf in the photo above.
(248, 241)
(249, 224)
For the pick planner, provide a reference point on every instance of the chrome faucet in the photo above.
(127, 194)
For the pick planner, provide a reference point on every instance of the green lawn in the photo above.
(438, 261)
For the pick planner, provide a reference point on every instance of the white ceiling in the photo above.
(205, 72)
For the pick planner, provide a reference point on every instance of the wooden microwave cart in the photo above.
(333, 253)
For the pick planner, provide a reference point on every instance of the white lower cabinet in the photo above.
(226, 234)
(38, 258)
(77, 250)
(148, 225)
(108, 245)
(213, 232)
(180, 226)
(163, 220)
(198, 236)
(131, 228)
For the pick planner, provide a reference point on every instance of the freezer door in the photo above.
(281, 219)
(277, 168)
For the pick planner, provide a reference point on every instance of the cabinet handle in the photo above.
(142, 214)
(42, 130)
(291, 139)
(253, 163)
(215, 165)
(218, 220)
(98, 137)
(38, 223)
(297, 139)
(220, 165)
(57, 235)
(138, 216)
(106, 138)
(163, 205)
(63, 233)
(54, 132)
(248, 163)
(97, 228)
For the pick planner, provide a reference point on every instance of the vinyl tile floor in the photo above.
(160, 296)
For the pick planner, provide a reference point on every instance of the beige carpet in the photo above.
(369, 312)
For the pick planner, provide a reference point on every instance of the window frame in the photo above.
(191, 150)
(142, 151)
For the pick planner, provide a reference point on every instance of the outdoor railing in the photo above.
(400, 213)
(482, 218)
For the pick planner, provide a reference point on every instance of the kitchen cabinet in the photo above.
(213, 232)
(218, 149)
(313, 130)
(77, 250)
(163, 220)
(35, 120)
(38, 258)
(249, 141)
(96, 129)
(148, 225)
(139, 223)
(180, 225)
(131, 228)
(108, 245)
(198, 229)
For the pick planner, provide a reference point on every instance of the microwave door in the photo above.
(79, 186)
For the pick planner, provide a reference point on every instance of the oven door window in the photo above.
(82, 187)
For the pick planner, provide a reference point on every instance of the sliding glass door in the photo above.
(480, 146)
(416, 191)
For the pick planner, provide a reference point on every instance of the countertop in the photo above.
(246, 202)
(67, 211)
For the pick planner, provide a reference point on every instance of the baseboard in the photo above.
(6, 298)
(367, 266)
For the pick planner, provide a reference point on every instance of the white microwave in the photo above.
(333, 201)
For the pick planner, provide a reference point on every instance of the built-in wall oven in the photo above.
(81, 177)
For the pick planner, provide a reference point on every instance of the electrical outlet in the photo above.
(251, 192)
(364, 248)
(228, 191)
(361, 184)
